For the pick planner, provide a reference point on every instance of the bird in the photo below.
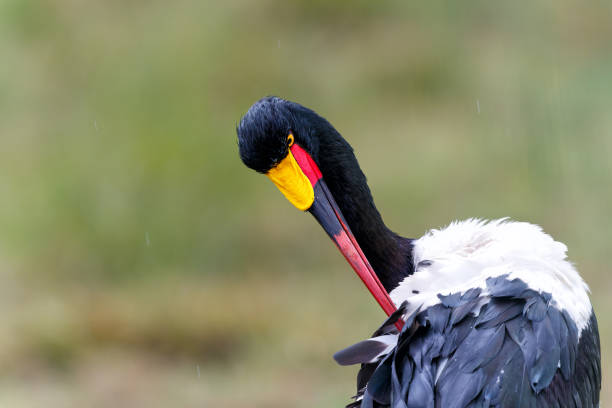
(479, 313)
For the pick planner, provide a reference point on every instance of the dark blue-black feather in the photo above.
(509, 347)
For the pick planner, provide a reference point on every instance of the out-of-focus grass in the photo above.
(135, 249)
(187, 341)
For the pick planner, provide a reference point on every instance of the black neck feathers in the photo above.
(389, 254)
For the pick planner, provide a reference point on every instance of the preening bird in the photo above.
(481, 314)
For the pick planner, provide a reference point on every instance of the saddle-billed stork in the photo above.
(481, 314)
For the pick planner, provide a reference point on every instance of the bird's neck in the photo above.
(389, 254)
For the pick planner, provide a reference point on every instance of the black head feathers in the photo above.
(263, 132)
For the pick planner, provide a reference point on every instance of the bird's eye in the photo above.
(290, 139)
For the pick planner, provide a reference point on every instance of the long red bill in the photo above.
(328, 214)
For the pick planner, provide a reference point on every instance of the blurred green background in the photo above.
(141, 264)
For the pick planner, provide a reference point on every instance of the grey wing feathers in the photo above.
(508, 348)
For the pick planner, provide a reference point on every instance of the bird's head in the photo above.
(272, 136)
(291, 145)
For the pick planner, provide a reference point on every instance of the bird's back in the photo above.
(495, 316)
